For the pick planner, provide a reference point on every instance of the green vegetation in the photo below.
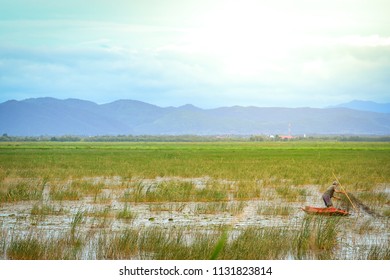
(45, 209)
(317, 238)
(20, 191)
(220, 207)
(126, 213)
(118, 246)
(290, 194)
(358, 165)
(206, 200)
(175, 191)
(274, 210)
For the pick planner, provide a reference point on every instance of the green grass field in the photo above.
(189, 200)
(358, 165)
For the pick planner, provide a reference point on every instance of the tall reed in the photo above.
(317, 238)
(22, 191)
(117, 246)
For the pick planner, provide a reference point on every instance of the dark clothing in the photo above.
(327, 196)
(327, 200)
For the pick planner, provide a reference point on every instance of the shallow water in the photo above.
(360, 230)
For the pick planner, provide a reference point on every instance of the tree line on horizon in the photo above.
(190, 138)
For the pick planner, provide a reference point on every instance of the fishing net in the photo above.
(358, 204)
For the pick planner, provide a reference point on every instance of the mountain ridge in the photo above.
(55, 117)
(362, 105)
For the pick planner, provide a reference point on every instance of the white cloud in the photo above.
(171, 77)
(249, 52)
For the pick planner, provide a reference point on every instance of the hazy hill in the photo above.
(49, 116)
(366, 106)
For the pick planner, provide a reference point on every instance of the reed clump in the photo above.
(87, 188)
(317, 238)
(386, 213)
(175, 191)
(64, 193)
(100, 212)
(279, 210)
(75, 235)
(248, 190)
(155, 243)
(28, 248)
(117, 246)
(255, 243)
(76, 190)
(167, 207)
(46, 209)
(126, 213)
(379, 252)
(35, 246)
(233, 208)
(22, 191)
(374, 198)
(290, 193)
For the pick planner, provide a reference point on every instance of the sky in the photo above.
(209, 53)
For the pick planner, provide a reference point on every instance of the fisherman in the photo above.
(329, 194)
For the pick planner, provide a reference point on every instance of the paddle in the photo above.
(345, 192)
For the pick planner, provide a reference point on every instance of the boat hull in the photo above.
(328, 211)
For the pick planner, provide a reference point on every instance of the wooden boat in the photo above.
(330, 211)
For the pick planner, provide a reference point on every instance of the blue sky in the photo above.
(209, 53)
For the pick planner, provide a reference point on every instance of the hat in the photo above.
(335, 183)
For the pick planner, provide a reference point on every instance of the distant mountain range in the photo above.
(54, 117)
(366, 106)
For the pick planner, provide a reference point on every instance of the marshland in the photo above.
(220, 200)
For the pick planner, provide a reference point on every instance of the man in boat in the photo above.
(329, 194)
